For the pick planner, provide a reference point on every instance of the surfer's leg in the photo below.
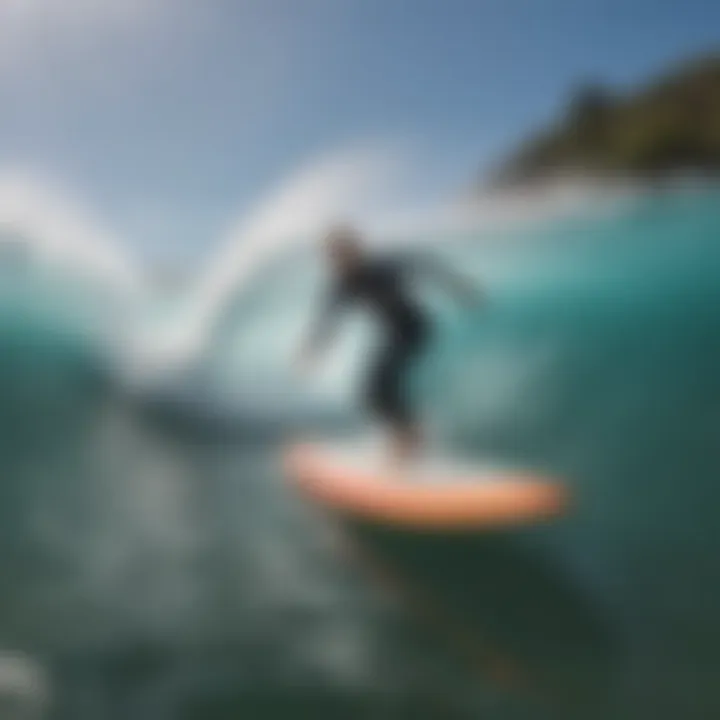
(376, 389)
(389, 399)
(408, 437)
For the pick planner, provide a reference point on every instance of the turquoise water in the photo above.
(156, 565)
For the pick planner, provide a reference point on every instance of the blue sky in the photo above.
(170, 118)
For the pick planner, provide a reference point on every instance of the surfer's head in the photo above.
(344, 248)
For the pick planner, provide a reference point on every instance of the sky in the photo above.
(164, 121)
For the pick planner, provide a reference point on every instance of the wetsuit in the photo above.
(381, 285)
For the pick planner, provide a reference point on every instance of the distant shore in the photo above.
(661, 135)
(587, 182)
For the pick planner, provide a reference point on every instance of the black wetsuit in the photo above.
(381, 285)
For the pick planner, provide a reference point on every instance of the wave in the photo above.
(266, 279)
(226, 339)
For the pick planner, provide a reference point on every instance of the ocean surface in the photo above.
(155, 564)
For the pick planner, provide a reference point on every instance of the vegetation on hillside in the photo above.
(669, 126)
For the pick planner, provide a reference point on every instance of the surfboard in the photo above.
(427, 495)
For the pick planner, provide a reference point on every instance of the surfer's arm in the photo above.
(457, 284)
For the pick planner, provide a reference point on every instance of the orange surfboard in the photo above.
(422, 497)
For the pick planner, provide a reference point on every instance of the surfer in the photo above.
(381, 285)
